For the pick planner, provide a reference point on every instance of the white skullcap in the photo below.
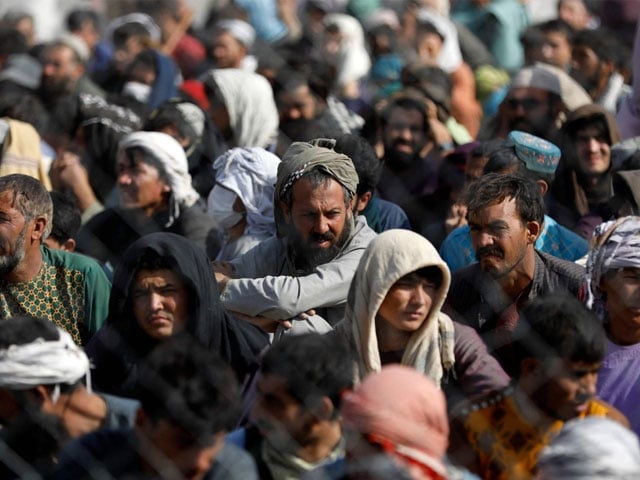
(239, 29)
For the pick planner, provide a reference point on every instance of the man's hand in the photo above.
(68, 174)
(223, 272)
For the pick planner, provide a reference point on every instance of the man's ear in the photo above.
(39, 226)
(69, 245)
(542, 186)
(286, 211)
(324, 410)
(534, 229)
(362, 201)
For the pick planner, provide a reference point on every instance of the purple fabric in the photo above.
(619, 381)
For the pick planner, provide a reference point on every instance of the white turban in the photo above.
(43, 362)
(169, 153)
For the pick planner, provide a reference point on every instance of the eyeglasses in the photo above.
(527, 103)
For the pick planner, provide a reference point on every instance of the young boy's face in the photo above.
(408, 302)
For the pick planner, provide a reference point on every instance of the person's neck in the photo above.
(527, 408)
(237, 230)
(328, 436)
(28, 268)
(390, 339)
(519, 279)
(622, 333)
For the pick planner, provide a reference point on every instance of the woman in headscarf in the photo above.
(393, 315)
(613, 293)
(241, 202)
(242, 107)
(165, 285)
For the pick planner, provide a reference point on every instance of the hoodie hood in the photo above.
(389, 257)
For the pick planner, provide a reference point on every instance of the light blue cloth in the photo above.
(555, 240)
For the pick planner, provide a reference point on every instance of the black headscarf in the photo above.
(236, 341)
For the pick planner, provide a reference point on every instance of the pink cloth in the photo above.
(402, 406)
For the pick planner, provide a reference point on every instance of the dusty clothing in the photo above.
(71, 290)
(440, 349)
(268, 284)
(478, 300)
(505, 445)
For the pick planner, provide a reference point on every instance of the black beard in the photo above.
(397, 160)
(306, 258)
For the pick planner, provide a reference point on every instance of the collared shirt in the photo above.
(554, 239)
(478, 300)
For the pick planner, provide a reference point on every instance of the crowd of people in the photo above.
(278, 239)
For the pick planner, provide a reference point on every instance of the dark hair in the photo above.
(532, 37)
(24, 329)
(494, 188)
(559, 326)
(601, 41)
(147, 157)
(147, 58)
(364, 158)
(130, 30)
(595, 119)
(30, 196)
(25, 107)
(66, 217)
(506, 157)
(432, 274)
(185, 383)
(317, 177)
(12, 42)
(168, 114)
(77, 18)
(557, 25)
(407, 101)
(314, 366)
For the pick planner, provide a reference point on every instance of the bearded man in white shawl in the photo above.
(155, 194)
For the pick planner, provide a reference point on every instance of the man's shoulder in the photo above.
(569, 274)
(72, 261)
(362, 233)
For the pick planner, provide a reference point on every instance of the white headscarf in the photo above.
(43, 362)
(352, 60)
(450, 57)
(591, 449)
(251, 174)
(248, 98)
(615, 244)
(170, 154)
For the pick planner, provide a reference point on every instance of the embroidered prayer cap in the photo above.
(538, 154)
(554, 80)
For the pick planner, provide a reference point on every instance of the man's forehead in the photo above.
(523, 92)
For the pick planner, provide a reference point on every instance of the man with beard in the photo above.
(63, 71)
(310, 263)
(537, 102)
(411, 156)
(69, 289)
(505, 214)
(594, 64)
